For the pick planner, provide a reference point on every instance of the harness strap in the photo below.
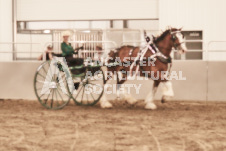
(155, 54)
(152, 50)
(131, 52)
(139, 57)
(169, 69)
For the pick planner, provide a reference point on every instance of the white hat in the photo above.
(66, 33)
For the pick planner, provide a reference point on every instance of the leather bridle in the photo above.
(174, 38)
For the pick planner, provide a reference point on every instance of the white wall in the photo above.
(35, 44)
(5, 28)
(86, 9)
(206, 15)
(68, 25)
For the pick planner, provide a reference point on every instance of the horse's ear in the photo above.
(145, 34)
(153, 38)
(180, 28)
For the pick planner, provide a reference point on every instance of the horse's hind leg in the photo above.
(104, 103)
(121, 90)
(149, 100)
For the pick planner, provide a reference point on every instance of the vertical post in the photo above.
(14, 29)
(30, 44)
(125, 24)
(207, 73)
(111, 24)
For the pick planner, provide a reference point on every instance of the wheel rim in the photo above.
(90, 89)
(54, 97)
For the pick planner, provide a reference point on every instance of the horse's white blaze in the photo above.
(182, 47)
(167, 89)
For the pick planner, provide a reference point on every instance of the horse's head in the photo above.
(178, 40)
(170, 38)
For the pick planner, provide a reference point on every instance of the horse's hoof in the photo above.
(150, 106)
(106, 105)
(163, 100)
(131, 101)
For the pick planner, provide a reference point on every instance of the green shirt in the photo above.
(66, 49)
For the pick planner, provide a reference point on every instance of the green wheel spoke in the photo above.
(45, 93)
(78, 92)
(49, 76)
(46, 71)
(95, 84)
(87, 97)
(40, 81)
(60, 95)
(52, 99)
(41, 75)
(92, 96)
(62, 79)
(38, 89)
(50, 68)
(55, 76)
(47, 97)
(60, 88)
(83, 93)
(56, 97)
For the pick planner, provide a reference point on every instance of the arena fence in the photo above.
(19, 51)
(91, 48)
(205, 81)
(93, 39)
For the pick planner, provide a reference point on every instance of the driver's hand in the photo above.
(82, 47)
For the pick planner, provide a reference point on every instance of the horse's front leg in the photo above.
(149, 100)
(167, 91)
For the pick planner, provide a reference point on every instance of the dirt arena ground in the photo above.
(174, 126)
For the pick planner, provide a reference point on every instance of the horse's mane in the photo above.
(131, 47)
(163, 35)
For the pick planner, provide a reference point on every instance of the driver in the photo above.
(68, 51)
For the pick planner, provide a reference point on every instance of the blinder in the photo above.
(174, 38)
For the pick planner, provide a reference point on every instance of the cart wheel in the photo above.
(90, 88)
(54, 92)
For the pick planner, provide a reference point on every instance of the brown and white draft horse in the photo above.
(159, 49)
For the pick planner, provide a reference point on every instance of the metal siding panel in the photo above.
(86, 9)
